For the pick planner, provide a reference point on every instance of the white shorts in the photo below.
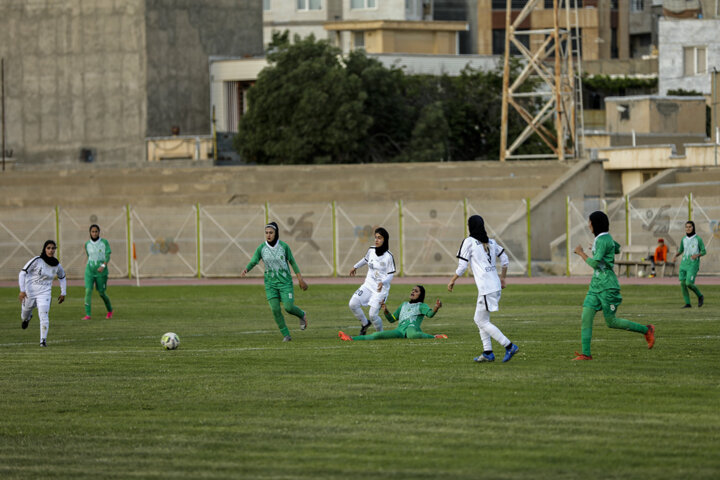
(366, 295)
(489, 302)
(42, 303)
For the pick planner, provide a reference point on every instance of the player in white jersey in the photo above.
(374, 291)
(35, 281)
(481, 253)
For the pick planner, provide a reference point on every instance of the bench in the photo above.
(633, 256)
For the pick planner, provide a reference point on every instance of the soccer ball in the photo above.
(170, 341)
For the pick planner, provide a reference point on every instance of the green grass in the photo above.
(105, 401)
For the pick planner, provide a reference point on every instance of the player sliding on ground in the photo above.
(604, 291)
(410, 315)
(481, 253)
(276, 256)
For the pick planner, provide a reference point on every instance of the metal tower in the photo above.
(556, 62)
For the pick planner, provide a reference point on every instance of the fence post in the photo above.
(334, 238)
(529, 238)
(567, 236)
(628, 236)
(198, 233)
(400, 228)
(690, 210)
(129, 239)
(57, 230)
(267, 213)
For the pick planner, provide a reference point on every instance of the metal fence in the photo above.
(328, 238)
(640, 222)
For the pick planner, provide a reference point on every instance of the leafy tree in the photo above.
(305, 107)
(311, 105)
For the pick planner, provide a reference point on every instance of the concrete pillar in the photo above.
(623, 29)
(484, 27)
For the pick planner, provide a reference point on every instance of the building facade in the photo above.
(377, 26)
(90, 81)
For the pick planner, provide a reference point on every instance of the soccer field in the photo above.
(104, 400)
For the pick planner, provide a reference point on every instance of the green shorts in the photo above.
(608, 301)
(688, 274)
(282, 292)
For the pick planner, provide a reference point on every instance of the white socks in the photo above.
(488, 330)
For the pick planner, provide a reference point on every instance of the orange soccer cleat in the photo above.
(582, 356)
(344, 336)
(441, 336)
(650, 336)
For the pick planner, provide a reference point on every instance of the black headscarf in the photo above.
(476, 225)
(379, 251)
(274, 226)
(421, 297)
(52, 261)
(600, 222)
(693, 225)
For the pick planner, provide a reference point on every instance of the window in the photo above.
(694, 61)
(359, 40)
(637, 5)
(266, 5)
(309, 5)
(359, 4)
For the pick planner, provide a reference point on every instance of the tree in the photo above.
(305, 107)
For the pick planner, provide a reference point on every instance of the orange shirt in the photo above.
(661, 253)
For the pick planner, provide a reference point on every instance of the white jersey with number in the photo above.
(483, 264)
(380, 269)
(36, 278)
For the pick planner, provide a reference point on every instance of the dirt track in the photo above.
(580, 280)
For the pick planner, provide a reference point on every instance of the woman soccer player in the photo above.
(276, 256)
(604, 291)
(35, 280)
(410, 314)
(481, 253)
(381, 268)
(96, 270)
(691, 249)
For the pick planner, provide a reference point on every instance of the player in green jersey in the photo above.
(604, 291)
(276, 256)
(691, 249)
(410, 314)
(96, 270)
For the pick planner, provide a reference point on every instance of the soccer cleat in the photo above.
(42, 343)
(441, 336)
(364, 329)
(344, 336)
(26, 322)
(287, 338)
(687, 305)
(701, 300)
(485, 357)
(509, 352)
(86, 317)
(582, 356)
(108, 316)
(650, 336)
(303, 322)
(652, 275)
